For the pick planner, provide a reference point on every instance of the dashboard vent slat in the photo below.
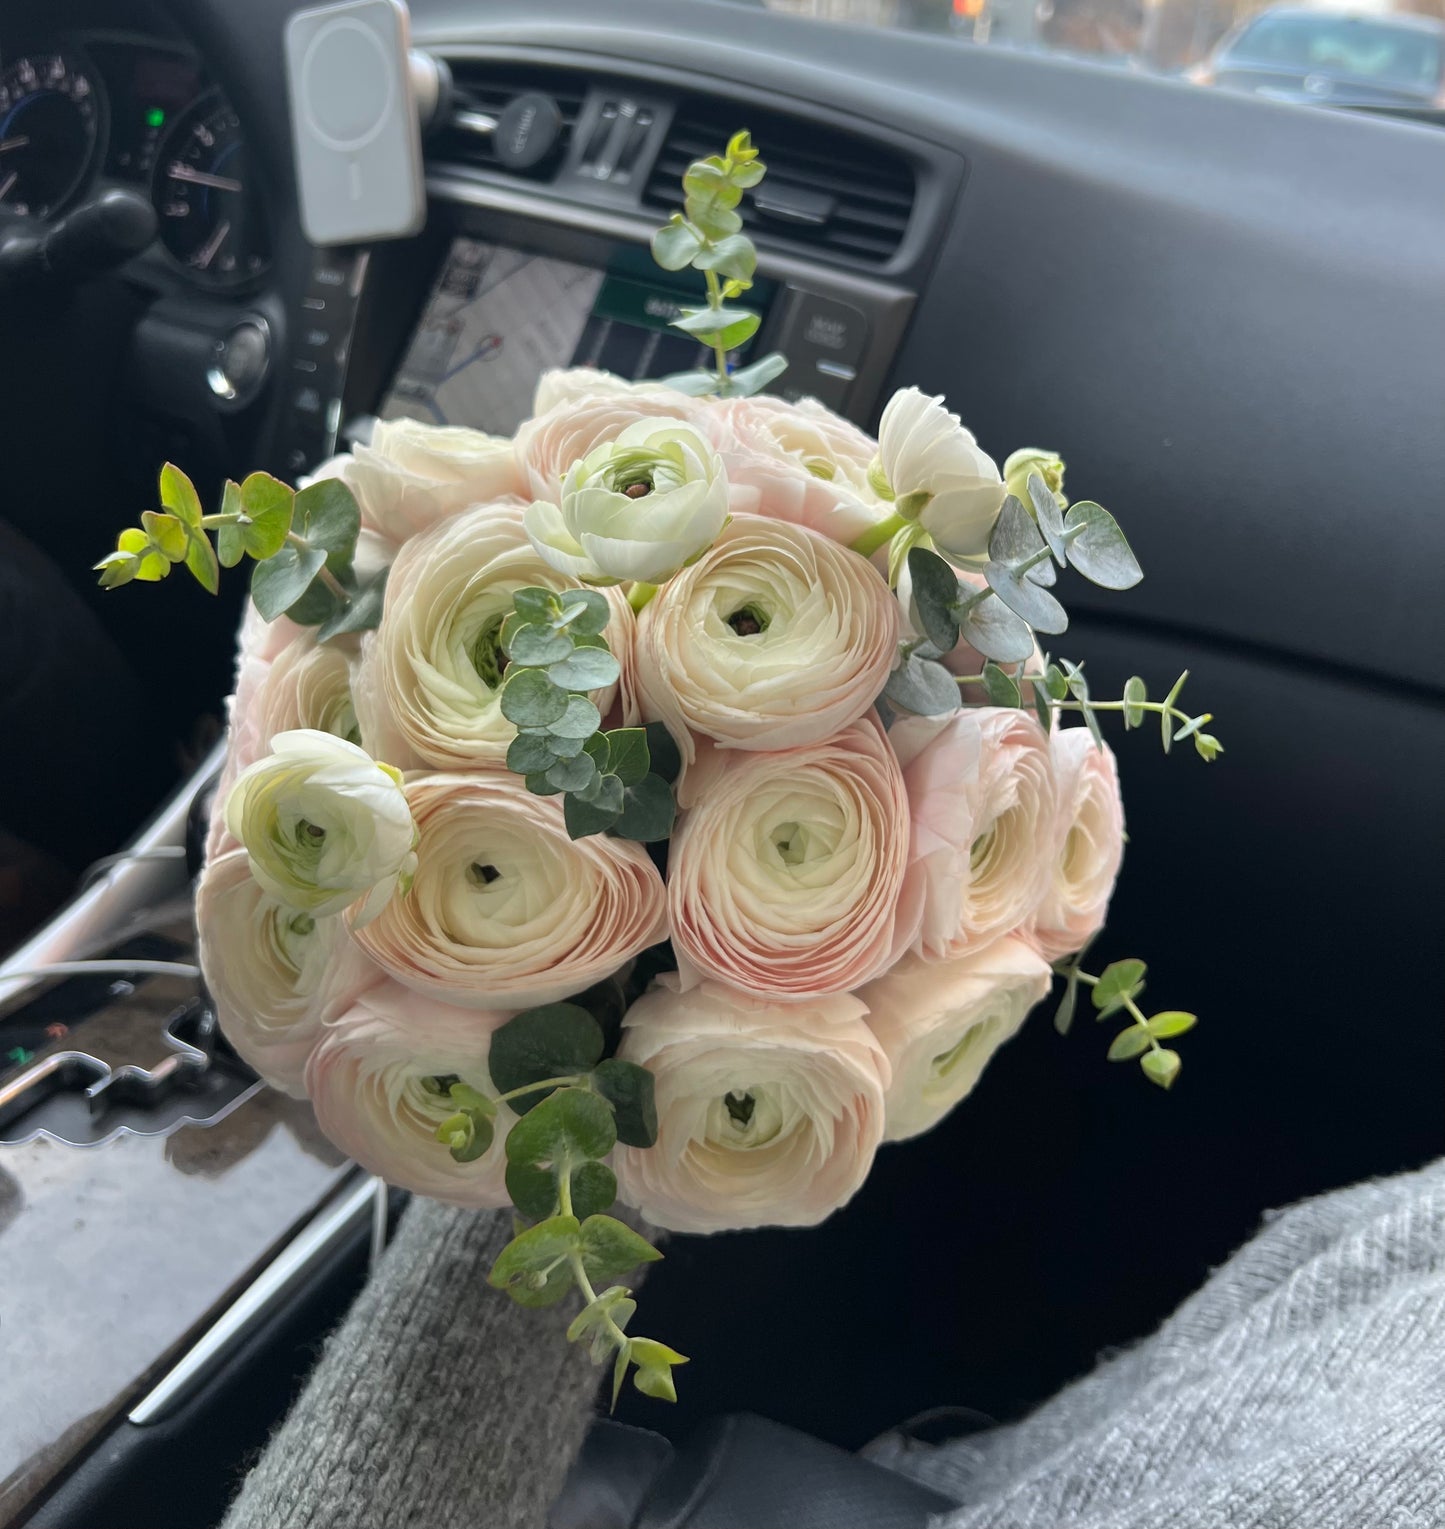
(864, 191)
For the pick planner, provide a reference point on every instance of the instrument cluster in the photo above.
(111, 109)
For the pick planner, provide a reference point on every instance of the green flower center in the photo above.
(488, 657)
(482, 875)
(740, 1109)
(749, 620)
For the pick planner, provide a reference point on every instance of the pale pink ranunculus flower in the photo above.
(940, 1022)
(586, 384)
(550, 444)
(428, 685)
(775, 637)
(374, 1079)
(784, 878)
(505, 909)
(1087, 845)
(796, 462)
(413, 475)
(981, 789)
(767, 1114)
(275, 974)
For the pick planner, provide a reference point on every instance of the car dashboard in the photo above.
(1224, 312)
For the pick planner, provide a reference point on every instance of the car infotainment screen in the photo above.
(497, 318)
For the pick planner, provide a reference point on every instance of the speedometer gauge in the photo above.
(210, 212)
(49, 123)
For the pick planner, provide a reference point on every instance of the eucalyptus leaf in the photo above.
(586, 818)
(1119, 982)
(230, 544)
(586, 669)
(675, 245)
(629, 1089)
(594, 1189)
(1048, 515)
(1025, 598)
(1170, 1023)
(694, 384)
(664, 753)
(1100, 551)
(283, 578)
(935, 597)
(577, 774)
(703, 322)
(553, 1040)
(530, 699)
(1161, 1066)
(606, 793)
(1002, 688)
(1127, 1044)
(923, 687)
(178, 494)
(538, 784)
(328, 517)
(535, 604)
(989, 626)
(1166, 722)
(532, 1190)
(584, 612)
(754, 377)
(610, 1248)
(201, 560)
(648, 811)
(628, 756)
(362, 613)
(579, 718)
(268, 505)
(732, 256)
(535, 646)
(534, 1255)
(568, 1127)
(1015, 537)
(1064, 1014)
(530, 753)
(1136, 692)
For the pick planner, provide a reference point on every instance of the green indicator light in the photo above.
(155, 117)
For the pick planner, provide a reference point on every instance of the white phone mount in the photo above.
(355, 122)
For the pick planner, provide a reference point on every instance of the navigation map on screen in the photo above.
(496, 320)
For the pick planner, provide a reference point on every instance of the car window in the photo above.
(1372, 54)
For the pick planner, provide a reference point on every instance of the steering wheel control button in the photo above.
(355, 128)
(241, 360)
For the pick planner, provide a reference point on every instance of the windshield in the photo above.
(1382, 53)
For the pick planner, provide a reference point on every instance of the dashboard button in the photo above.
(822, 328)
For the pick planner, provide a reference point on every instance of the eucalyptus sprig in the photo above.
(303, 544)
(574, 1106)
(1117, 989)
(707, 236)
(555, 655)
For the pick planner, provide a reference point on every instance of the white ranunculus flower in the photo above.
(637, 508)
(325, 825)
(797, 462)
(308, 686)
(784, 879)
(428, 686)
(276, 974)
(939, 475)
(379, 1078)
(1088, 845)
(413, 475)
(981, 790)
(940, 1023)
(767, 1115)
(584, 418)
(506, 909)
(776, 636)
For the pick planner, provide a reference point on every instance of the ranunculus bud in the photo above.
(1087, 845)
(776, 636)
(506, 910)
(637, 508)
(325, 825)
(783, 880)
(981, 788)
(379, 1080)
(767, 1114)
(939, 475)
(940, 1023)
(1049, 465)
(414, 475)
(797, 462)
(276, 974)
(429, 683)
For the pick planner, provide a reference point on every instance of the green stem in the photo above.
(640, 594)
(1037, 680)
(877, 536)
(574, 1260)
(714, 301)
(531, 1088)
(211, 522)
(326, 576)
(1141, 1023)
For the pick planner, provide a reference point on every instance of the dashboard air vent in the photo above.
(482, 92)
(826, 190)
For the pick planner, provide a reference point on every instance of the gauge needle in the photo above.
(207, 254)
(17, 142)
(180, 171)
(7, 183)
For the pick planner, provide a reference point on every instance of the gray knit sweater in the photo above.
(1302, 1388)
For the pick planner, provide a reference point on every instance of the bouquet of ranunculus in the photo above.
(668, 805)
